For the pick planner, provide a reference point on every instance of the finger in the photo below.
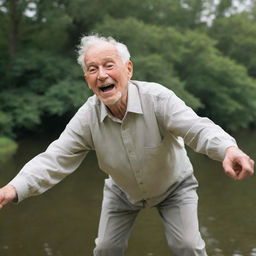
(2, 204)
(243, 174)
(252, 163)
(248, 165)
(231, 173)
(228, 169)
(3, 199)
(247, 169)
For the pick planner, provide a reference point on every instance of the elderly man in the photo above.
(137, 130)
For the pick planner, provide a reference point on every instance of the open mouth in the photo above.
(107, 87)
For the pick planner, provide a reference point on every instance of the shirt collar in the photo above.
(103, 111)
(133, 105)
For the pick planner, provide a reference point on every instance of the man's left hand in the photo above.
(237, 164)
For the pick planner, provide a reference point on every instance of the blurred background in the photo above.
(203, 50)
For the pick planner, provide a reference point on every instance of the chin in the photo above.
(113, 100)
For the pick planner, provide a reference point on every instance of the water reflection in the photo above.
(63, 221)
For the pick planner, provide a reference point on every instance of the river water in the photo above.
(63, 221)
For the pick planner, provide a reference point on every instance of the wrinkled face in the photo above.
(106, 74)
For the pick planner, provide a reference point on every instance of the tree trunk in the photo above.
(14, 20)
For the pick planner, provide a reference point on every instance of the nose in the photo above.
(102, 74)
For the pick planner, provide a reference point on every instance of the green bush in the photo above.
(7, 148)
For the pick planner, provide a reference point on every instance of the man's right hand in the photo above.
(7, 194)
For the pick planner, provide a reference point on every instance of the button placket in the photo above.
(129, 145)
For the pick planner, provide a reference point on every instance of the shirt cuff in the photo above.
(21, 187)
(222, 150)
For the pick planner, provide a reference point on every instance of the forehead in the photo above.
(100, 52)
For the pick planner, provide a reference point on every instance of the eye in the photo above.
(92, 69)
(109, 65)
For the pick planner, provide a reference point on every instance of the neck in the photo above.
(119, 109)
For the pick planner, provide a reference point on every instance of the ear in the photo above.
(130, 69)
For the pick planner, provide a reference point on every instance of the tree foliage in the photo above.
(224, 87)
(190, 65)
(41, 83)
(236, 39)
(7, 148)
(211, 67)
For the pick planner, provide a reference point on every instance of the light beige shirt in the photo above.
(144, 153)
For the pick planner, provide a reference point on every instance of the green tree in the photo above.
(189, 64)
(44, 83)
(153, 59)
(236, 39)
(35, 74)
(39, 76)
(52, 24)
(224, 87)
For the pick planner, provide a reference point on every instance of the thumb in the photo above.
(2, 199)
(7, 194)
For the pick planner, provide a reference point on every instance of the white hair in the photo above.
(89, 41)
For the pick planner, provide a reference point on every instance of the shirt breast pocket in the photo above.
(157, 157)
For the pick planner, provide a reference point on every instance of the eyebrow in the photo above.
(104, 59)
(90, 64)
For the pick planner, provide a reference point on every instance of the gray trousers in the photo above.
(178, 213)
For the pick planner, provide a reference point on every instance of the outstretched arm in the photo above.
(237, 164)
(7, 194)
(61, 158)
